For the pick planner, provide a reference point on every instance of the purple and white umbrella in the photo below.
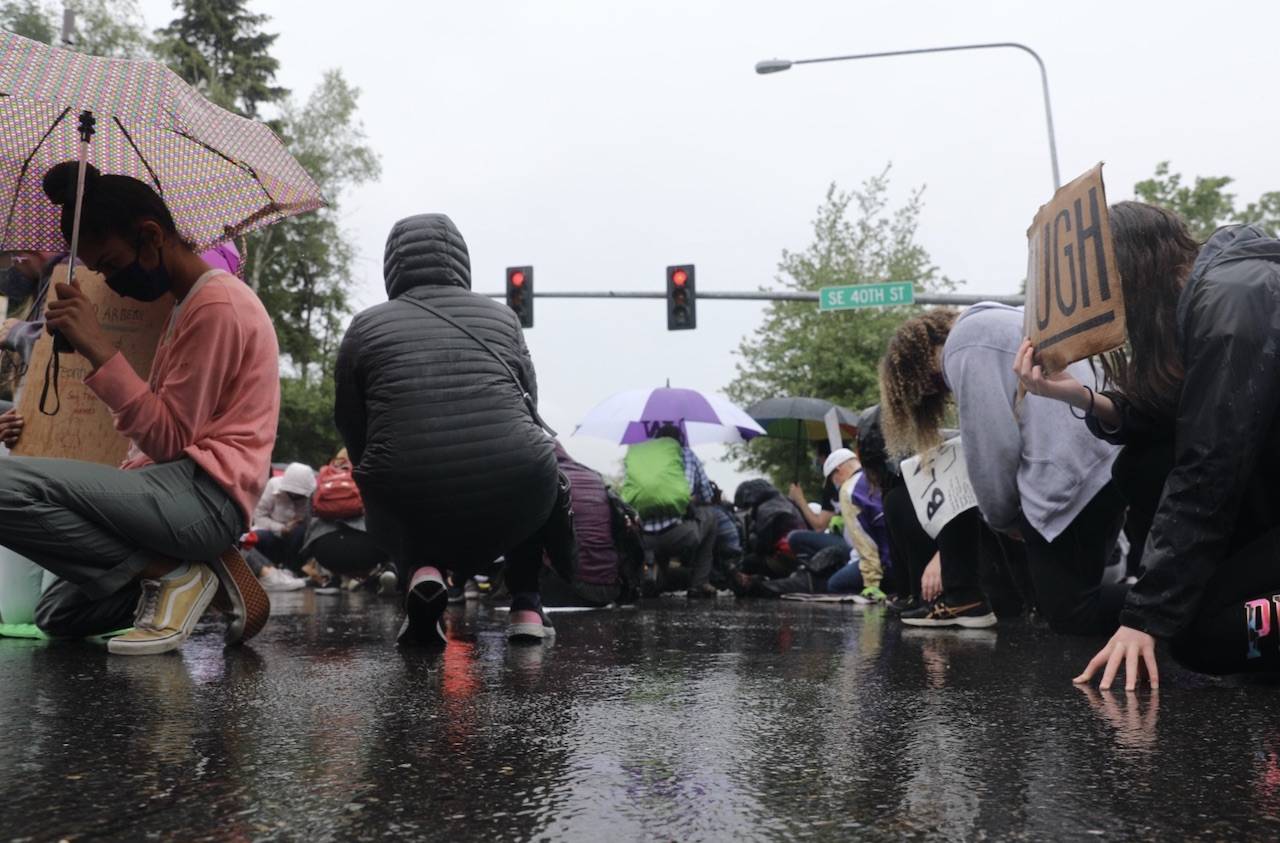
(637, 414)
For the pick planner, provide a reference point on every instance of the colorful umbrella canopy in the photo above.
(221, 175)
(637, 414)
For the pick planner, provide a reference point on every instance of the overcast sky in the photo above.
(602, 141)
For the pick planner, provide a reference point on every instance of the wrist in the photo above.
(98, 354)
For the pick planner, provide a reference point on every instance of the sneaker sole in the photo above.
(424, 605)
(979, 622)
(250, 607)
(530, 632)
(156, 646)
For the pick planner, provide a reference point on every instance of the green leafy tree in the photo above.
(219, 47)
(1205, 203)
(30, 19)
(101, 27)
(302, 266)
(110, 28)
(858, 238)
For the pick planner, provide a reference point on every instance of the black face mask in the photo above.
(16, 285)
(136, 282)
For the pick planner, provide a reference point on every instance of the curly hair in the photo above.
(913, 400)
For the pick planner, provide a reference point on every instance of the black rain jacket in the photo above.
(441, 439)
(1221, 493)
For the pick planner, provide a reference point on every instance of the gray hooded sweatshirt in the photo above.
(1037, 459)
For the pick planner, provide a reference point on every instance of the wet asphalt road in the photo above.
(673, 722)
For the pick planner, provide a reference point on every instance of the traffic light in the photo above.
(520, 293)
(682, 298)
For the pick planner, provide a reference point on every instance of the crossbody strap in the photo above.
(524, 393)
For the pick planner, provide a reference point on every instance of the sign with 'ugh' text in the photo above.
(1074, 305)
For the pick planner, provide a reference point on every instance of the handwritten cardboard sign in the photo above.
(1075, 308)
(83, 428)
(938, 481)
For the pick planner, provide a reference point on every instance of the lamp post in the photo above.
(779, 65)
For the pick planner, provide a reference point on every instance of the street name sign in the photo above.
(857, 296)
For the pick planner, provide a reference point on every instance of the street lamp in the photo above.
(779, 65)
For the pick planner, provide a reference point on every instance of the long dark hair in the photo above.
(112, 204)
(1154, 254)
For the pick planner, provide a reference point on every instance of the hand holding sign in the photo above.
(1061, 386)
(1075, 308)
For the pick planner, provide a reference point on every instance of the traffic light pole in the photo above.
(957, 299)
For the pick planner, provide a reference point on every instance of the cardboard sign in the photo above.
(938, 481)
(83, 428)
(1075, 308)
(835, 438)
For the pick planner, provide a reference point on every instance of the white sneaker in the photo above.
(278, 579)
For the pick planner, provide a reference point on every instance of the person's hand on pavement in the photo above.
(11, 424)
(931, 579)
(1132, 648)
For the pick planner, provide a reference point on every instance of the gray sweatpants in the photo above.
(98, 527)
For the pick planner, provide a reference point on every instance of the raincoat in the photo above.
(1221, 493)
(444, 447)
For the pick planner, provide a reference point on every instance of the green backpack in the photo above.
(656, 484)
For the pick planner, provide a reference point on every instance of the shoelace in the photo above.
(145, 616)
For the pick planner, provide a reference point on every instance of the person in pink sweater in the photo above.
(202, 429)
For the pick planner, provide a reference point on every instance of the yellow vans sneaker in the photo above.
(167, 611)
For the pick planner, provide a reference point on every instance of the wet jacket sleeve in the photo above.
(1229, 400)
(349, 403)
(528, 377)
(1135, 425)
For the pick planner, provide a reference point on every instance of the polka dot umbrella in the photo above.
(221, 175)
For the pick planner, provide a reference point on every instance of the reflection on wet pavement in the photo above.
(673, 722)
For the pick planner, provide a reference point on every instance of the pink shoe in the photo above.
(423, 606)
(528, 625)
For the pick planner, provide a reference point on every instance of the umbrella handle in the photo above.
(87, 123)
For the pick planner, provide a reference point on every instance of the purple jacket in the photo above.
(592, 522)
(871, 517)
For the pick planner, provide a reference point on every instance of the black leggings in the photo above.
(347, 551)
(1237, 627)
(1067, 572)
(973, 558)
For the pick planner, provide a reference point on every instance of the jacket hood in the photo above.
(426, 250)
(1236, 242)
(1226, 245)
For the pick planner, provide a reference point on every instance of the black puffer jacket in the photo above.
(442, 442)
(1220, 495)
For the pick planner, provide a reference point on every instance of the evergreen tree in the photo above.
(219, 47)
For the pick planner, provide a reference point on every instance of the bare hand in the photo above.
(11, 424)
(1131, 647)
(931, 579)
(72, 315)
(1060, 386)
(797, 495)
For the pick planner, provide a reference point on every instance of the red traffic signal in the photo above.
(682, 303)
(520, 293)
